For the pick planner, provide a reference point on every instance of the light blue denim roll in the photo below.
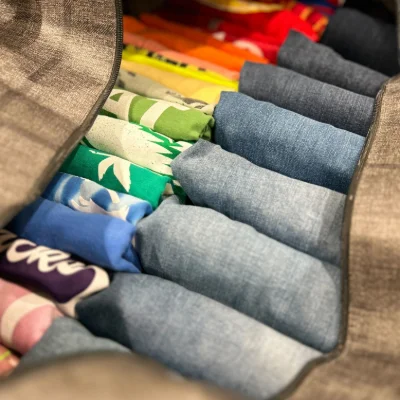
(67, 337)
(231, 262)
(286, 142)
(194, 335)
(304, 216)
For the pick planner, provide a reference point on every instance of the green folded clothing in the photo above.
(170, 119)
(117, 174)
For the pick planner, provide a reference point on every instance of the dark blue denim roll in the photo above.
(363, 39)
(309, 97)
(318, 61)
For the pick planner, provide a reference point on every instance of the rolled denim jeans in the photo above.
(320, 62)
(67, 337)
(231, 262)
(304, 216)
(285, 142)
(309, 97)
(364, 39)
(194, 335)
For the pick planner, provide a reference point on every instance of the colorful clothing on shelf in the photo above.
(117, 174)
(147, 87)
(52, 271)
(141, 42)
(147, 57)
(189, 87)
(170, 119)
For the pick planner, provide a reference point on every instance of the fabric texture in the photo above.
(99, 239)
(67, 337)
(147, 57)
(173, 120)
(135, 143)
(57, 61)
(189, 87)
(290, 291)
(309, 97)
(190, 47)
(363, 39)
(24, 316)
(285, 142)
(197, 337)
(89, 197)
(8, 361)
(304, 216)
(323, 63)
(142, 42)
(117, 174)
(51, 271)
(199, 36)
(150, 88)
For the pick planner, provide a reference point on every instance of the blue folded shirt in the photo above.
(99, 239)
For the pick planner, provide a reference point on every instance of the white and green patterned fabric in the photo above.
(147, 87)
(170, 119)
(135, 143)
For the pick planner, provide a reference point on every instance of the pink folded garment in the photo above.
(152, 45)
(8, 361)
(24, 316)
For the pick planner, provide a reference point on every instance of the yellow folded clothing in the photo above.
(144, 56)
(189, 87)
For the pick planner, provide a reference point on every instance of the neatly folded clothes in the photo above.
(283, 141)
(189, 87)
(194, 335)
(304, 216)
(117, 174)
(173, 120)
(135, 143)
(50, 271)
(99, 239)
(231, 262)
(321, 62)
(139, 84)
(24, 316)
(309, 97)
(363, 39)
(148, 44)
(89, 197)
(67, 337)
(157, 60)
(199, 36)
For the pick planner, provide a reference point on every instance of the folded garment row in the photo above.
(245, 279)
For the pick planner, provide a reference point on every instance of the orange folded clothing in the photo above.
(186, 46)
(144, 43)
(154, 21)
(148, 44)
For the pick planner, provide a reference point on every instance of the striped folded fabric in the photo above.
(155, 59)
(170, 119)
(24, 316)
